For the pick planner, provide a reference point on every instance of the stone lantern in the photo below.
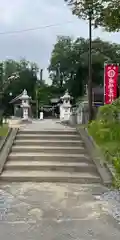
(25, 105)
(65, 107)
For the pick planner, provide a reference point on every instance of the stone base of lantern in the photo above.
(26, 121)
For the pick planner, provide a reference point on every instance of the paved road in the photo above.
(32, 211)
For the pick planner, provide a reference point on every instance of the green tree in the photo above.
(105, 13)
(72, 55)
(46, 93)
(27, 76)
(27, 72)
(60, 60)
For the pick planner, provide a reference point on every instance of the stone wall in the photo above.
(80, 114)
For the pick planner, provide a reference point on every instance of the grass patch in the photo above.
(4, 130)
(105, 130)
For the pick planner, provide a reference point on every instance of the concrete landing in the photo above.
(46, 124)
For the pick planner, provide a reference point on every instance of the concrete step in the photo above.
(50, 132)
(38, 142)
(46, 149)
(50, 166)
(47, 137)
(66, 157)
(49, 176)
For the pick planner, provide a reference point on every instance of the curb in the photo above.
(109, 166)
(96, 156)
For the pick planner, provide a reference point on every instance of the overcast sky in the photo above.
(37, 45)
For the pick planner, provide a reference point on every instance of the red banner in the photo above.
(110, 82)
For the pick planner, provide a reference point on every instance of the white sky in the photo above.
(37, 45)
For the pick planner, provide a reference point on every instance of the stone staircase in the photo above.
(49, 156)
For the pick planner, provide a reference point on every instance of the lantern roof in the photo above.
(66, 95)
(24, 95)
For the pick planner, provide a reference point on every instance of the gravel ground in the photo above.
(112, 200)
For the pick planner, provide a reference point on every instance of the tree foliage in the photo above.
(59, 60)
(14, 78)
(70, 57)
(26, 72)
(105, 13)
(46, 93)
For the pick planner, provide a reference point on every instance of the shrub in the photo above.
(110, 112)
(106, 132)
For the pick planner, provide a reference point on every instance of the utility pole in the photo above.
(90, 66)
(37, 85)
(41, 75)
(59, 75)
(37, 100)
(1, 92)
